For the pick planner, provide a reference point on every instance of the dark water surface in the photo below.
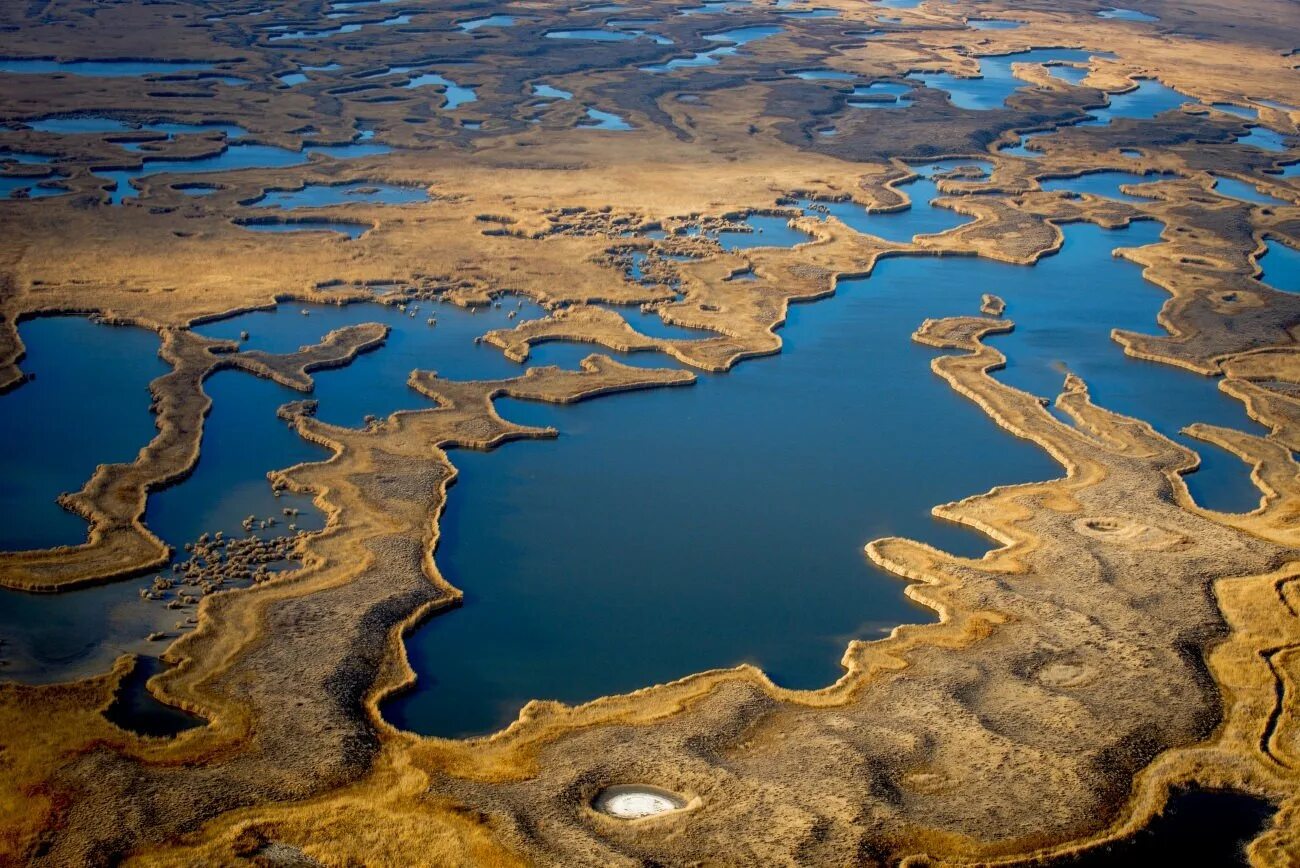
(601, 561)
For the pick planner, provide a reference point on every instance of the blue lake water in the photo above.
(104, 372)
(234, 157)
(1264, 139)
(546, 91)
(554, 594)
(24, 157)
(997, 81)
(1244, 191)
(1106, 184)
(994, 24)
(10, 184)
(602, 120)
(919, 218)
(1126, 15)
(768, 231)
(489, 21)
(592, 35)
(456, 95)
(284, 33)
(326, 195)
(53, 636)
(103, 124)
(1281, 265)
(101, 68)
(880, 94)
(732, 41)
(1238, 111)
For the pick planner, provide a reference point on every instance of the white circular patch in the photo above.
(630, 802)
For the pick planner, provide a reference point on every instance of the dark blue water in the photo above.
(242, 442)
(1197, 827)
(1281, 265)
(134, 708)
(375, 382)
(565, 570)
(50, 637)
(282, 33)
(102, 371)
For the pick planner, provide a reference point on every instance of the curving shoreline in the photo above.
(1122, 642)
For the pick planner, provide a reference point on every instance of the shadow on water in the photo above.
(136, 709)
(1198, 827)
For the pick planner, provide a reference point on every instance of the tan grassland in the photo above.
(1122, 643)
